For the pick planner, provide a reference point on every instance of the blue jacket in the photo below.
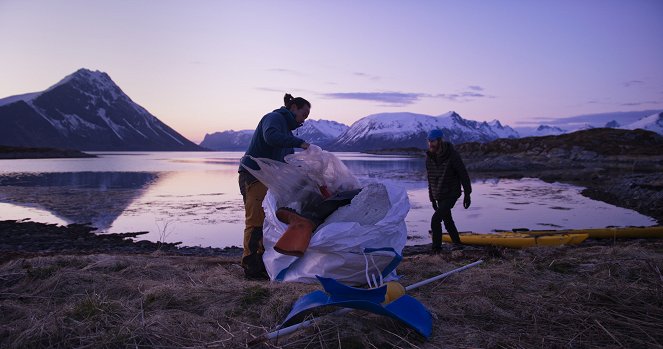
(273, 138)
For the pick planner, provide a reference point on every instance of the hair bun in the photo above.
(287, 100)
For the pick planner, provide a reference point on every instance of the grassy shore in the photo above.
(602, 293)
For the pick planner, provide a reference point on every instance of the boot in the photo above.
(297, 236)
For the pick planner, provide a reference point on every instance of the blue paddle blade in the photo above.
(406, 309)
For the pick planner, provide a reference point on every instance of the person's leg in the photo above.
(254, 217)
(436, 229)
(444, 207)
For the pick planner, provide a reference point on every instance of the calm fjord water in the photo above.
(193, 197)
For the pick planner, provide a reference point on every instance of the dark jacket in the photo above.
(446, 173)
(273, 138)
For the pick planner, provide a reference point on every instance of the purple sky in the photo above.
(206, 66)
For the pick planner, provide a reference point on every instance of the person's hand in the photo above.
(434, 205)
(467, 201)
(304, 145)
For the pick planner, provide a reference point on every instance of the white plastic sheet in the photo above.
(337, 250)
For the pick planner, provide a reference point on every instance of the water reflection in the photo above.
(76, 197)
(194, 198)
(387, 168)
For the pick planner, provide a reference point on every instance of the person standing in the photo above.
(272, 139)
(446, 174)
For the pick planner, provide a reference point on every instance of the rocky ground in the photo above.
(602, 293)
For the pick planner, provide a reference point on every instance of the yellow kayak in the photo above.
(607, 233)
(518, 240)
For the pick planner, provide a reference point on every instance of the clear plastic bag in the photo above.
(305, 179)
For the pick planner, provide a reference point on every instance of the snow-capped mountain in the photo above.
(503, 131)
(542, 130)
(404, 130)
(228, 140)
(652, 122)
(612, 124)
(584, 126)
(320, 132)
(85, 110)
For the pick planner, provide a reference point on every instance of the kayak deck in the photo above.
(519, 240)
(605, 233)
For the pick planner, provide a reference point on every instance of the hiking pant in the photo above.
(253, 193)
(443, 214)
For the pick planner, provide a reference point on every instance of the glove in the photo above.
(466, 201)
(434, 205)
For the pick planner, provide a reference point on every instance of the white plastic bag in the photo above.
(342, 249)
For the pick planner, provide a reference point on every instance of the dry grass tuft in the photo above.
(593, 295)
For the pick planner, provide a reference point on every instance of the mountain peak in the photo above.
(612, 124)
(85, 110)
(96, 78)
(495, 123)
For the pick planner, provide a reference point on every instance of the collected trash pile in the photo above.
(322, 226)
(319, 221)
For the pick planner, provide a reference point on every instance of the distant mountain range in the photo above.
(319, 132)
(408, 130)
(378, 131)
(87, 111)
(647, 120)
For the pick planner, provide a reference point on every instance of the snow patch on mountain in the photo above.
(26, 97)
(652, 122)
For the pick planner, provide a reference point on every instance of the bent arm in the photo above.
(275, 132)
(459, 166)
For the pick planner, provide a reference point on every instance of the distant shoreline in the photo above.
(17, 153)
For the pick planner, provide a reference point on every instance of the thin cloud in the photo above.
(406, 98)
(391, 98)
(632, 104)
(461, 96)
(367, 76)
(475, 88)
(633, 83)
(268, 89)
(287, 71)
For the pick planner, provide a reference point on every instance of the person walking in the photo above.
(446, 174)
(272, 139)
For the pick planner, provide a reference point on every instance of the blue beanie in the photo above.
(435, 134)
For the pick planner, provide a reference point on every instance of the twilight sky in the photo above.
(206, 66)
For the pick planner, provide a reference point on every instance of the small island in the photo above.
(8, 152)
